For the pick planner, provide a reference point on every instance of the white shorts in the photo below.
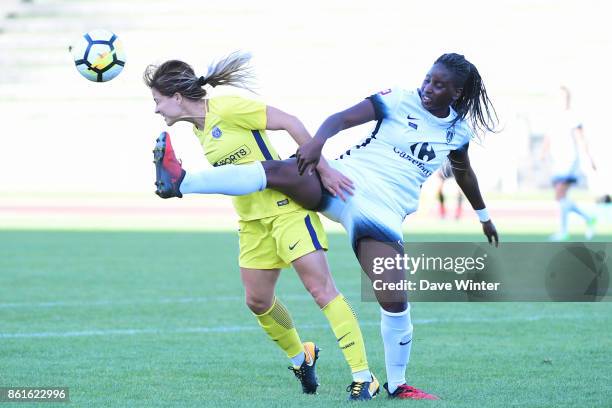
(363, 215)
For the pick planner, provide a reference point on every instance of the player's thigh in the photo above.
(371, 252)
(298, 233)
(258, 246)
(561, 187)
(301, 240)
(315, 274)
(376, 235)
(366, 218)
(283, 176)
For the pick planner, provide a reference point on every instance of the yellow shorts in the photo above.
(275, 242)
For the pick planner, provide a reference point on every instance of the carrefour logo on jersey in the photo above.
(423, 151)
(414, 161)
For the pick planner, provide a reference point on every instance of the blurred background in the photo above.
(78, 154)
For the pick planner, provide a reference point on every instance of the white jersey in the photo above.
(407, 146)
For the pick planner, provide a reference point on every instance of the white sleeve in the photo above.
(385, 102)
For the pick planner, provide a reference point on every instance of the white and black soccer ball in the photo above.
(98, 55)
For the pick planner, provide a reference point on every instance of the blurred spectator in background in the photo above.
(443, 174)
(564, 142)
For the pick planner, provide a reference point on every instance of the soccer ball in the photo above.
(98, 55)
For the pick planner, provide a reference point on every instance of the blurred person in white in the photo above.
(564, 142)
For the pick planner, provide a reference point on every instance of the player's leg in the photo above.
(283, 176)
(561, 188)
(376, 233)
(302, 241)
(314, 273)
(440, 194)
(459, 208)
(568, 206)
(306, 190)
(446, 173)
(396, 325)
(275, 320)
(368, 250)
(173, 181)
(259, 270)
(271, 314)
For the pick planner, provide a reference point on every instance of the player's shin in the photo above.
(278, 325)
(230, 179)
(396, 331)
(345, 326)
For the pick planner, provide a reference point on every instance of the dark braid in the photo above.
(474, 101)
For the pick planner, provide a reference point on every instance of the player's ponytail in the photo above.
(177, 76)
(233, 70)
(473, 101)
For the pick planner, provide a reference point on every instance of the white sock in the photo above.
(396, 330)
(298, 360)
(229, 180)
(573, 207)
(362, 376)
(565, 206)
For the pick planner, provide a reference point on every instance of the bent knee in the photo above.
(258, 305)
(322, 292)
(394, 307)
(323, 296)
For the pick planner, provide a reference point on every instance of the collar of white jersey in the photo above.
(431, 117)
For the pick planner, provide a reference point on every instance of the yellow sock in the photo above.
(277, 323)
(343, 322)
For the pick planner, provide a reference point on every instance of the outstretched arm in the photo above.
(309, 154)
(467, 181)
(276, 119)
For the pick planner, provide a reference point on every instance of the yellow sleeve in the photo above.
(246, 113)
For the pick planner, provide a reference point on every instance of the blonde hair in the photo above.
(175, 76)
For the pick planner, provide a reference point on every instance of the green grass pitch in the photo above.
(141, 319)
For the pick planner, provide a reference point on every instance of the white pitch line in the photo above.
(119, 302)
(233, 329)
(166, 300)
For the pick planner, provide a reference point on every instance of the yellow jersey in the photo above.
(234, 133)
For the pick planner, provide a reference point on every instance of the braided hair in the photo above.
(473, 101)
